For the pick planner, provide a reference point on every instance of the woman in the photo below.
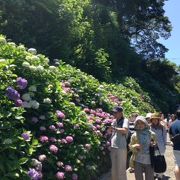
(161, 134)
(141, 140)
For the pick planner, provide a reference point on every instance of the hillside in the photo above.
(54, 119)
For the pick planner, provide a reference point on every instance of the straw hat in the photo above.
(155, 116)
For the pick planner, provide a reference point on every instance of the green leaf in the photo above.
(23, 160)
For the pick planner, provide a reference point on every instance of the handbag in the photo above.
(176, 139)
(159, 162)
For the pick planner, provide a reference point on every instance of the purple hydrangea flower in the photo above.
(53, 149)
(34, 119)
(60, 114)
(21, 82)
(69, 139)
(34, 175)
(52, 139)
(25, 136)
(42, 128)
(12, 93)
(74, 176)
(60, 175)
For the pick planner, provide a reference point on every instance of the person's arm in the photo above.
(133, 145)
(121, 130)
(124, 129)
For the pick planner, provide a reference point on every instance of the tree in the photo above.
(142, 23)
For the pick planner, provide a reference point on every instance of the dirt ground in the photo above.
(169, 174)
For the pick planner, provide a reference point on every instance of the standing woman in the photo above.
(119, 145)
(161, 134)
(140, 144)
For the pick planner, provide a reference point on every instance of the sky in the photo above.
(172, 11)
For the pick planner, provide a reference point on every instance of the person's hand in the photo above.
(137, 146)
(152, 144)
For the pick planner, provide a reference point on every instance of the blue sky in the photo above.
(172, 8)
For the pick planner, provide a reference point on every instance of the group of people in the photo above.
(143, 133)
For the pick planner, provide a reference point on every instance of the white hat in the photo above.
(148, 115)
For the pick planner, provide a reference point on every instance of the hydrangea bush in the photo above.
(54, 119)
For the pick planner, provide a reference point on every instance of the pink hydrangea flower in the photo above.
(87, 110)
(52, 128)
(53, 149)
(60, 125)
(60, 175)
(42, 157)
(60, 114)
(68, 168)
(69, 139)
(18, 102)
(44, 139)
(63, 141)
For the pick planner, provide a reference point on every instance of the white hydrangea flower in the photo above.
(31, 94)
(26, 104)
(26, 64)
(46, 60)
(32, 51)
(21, 47)
(47, 101)
(34, 58)
(2, 60)
(40, 68)
(32, 68)
(52, 68)
(26, 97)
(42, 117)
(34, 104)
(32, 88)
(2, 40)
(12, 44)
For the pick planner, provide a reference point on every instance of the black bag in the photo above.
(176, 139)
(158, 161)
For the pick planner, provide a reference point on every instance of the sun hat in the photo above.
(155, 116)
(148, 115)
